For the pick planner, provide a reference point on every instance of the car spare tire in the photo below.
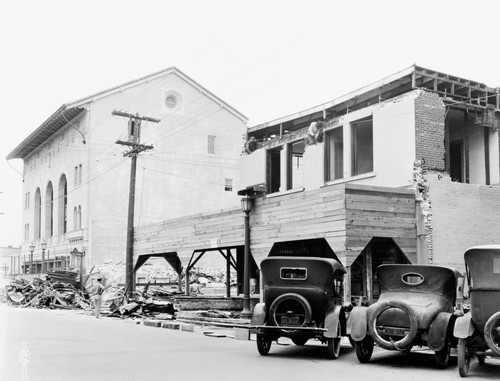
(407, 340)
(492, 333)
(290, 310)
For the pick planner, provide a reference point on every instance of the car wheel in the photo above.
(263, 344)
(300, 340)
(406, 341)
(290, 306)
(463, 358)
(334, 345)
(492, 333)
(442, 357)
(364, 349)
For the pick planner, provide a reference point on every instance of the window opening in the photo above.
(274, 170)
(63, 205)
(49, 211)
(228, 185)
(211, 144)
(295, 165)
(79, 226)
(362, 147)
(335, 154)
(38, 214)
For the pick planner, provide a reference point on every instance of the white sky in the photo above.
(266, 58)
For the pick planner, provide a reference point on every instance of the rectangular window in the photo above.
(293, 273)
(295, 165)
(228, 185)
(211, 144)
(273, 171)
(335, 154)
(80, 175)
(76, 176)
(362, 147)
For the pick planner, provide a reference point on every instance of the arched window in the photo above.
(49, 211)
(38, 214)
(63, 206)
(75, 218)
(79, 216)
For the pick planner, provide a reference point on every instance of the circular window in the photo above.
(171, 101)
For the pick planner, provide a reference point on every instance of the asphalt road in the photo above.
(66, 345)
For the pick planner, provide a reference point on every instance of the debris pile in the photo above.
(46, 293)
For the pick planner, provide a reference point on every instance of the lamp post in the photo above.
(246, 207)
(43, 245)
(31, 249)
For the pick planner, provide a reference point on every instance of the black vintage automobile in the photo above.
(416, 307)
(478, 331)
(302, 300)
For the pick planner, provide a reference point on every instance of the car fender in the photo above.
(463, 327)
(357, 323)
(332, 318)
(259, 314)
(438, 331)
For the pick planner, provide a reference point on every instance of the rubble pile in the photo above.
(46, 293)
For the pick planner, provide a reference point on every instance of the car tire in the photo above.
(290, 297)
(263, 344)
(334, 344)
(492, 334)
(463, 358)
(442, 357)
(364, 349)
(406, 341)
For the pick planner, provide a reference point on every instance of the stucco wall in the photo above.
(178, 177)
(463, 215)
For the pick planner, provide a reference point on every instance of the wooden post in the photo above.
(369, 274)
(186, 279)
(228, 273)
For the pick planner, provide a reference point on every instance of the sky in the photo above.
(267, 59)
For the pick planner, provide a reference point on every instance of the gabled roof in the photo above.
(69, 111)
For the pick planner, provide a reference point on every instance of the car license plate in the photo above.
(395, 331)
(290, 320)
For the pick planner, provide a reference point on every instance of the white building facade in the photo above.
(76, 178)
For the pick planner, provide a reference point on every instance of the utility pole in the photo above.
(134, 137)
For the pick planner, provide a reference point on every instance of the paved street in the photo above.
(69, 345)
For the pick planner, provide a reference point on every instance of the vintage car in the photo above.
(302, 300)
(416, 307)
(478, 331)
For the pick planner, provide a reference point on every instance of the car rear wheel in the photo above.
(364, 349)
(263, 344)
(401, 344)
(492, 333)
(442, 357)
(334, 344)
(463, 358)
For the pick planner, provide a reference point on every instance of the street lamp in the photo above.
(31, 249)
(246, 207)
(43, 245)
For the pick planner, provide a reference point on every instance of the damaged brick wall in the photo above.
(429, 130)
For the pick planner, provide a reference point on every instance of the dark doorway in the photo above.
(456, 161)
(274, 170)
